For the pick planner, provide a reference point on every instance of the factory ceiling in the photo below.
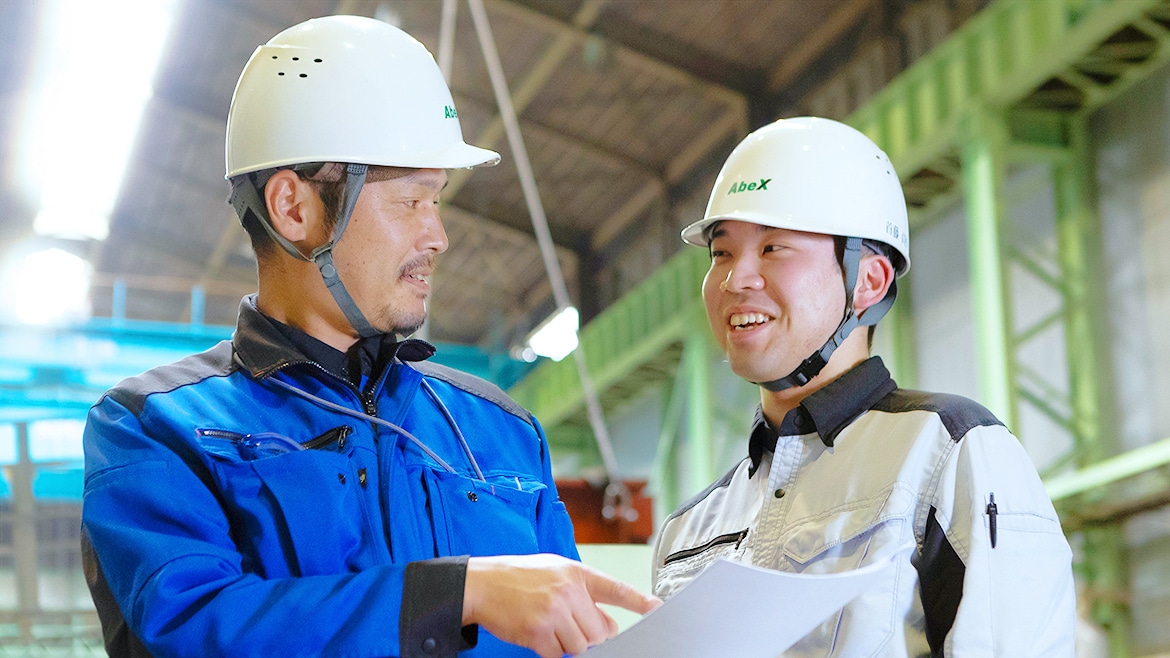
(627, 109)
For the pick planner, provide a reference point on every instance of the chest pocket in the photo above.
(850, 536)
(295, 513)
(846, 539)
(472, 517)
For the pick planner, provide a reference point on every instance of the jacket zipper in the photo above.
(368, 405)
(736, 537)
(336, 435)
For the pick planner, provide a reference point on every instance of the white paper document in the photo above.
(720, 612)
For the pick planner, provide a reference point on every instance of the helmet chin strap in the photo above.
(246, 197)
(812, 366)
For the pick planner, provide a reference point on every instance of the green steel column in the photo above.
(697, 361)
(664, 483)
(983, 157)
(903, 358)
(1105, 566)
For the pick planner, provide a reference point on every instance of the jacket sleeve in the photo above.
(163, 547)
(1017, 592)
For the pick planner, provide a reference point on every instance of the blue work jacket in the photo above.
(238, 503)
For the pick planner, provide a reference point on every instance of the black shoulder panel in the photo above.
(702, 495)
(959, 414)
(474, 385)
(132, 393)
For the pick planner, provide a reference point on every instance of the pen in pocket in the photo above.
(992, 510)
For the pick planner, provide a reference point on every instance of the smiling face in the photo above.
(773, 296)
(388, 251)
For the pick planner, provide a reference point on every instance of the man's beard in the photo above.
(399, 323)
(410, 326)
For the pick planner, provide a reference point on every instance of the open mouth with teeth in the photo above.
(745, 321)
(415, 277)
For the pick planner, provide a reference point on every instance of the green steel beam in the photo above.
(658, 313)
(1108, 471)
(1004, 56)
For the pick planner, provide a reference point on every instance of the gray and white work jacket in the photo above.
(862, 468)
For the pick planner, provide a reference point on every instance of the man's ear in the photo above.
(875, 275)
(289, 208)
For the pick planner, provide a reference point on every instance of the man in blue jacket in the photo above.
(315, 487)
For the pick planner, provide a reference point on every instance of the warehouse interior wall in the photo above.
(1129, 153)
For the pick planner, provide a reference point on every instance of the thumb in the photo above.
(603, 589)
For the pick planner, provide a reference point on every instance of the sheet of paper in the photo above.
(719, 612)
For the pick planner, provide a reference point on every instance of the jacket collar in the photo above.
(264, 345)
(827, 411)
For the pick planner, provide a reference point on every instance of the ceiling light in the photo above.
(94, 70)
(50, 287)
(556, 337)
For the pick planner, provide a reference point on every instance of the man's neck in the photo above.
(304, 317)
(777, 404)
(301, 306)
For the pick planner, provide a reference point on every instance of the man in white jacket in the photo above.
(807, 231)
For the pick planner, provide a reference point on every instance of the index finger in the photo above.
(604, 589)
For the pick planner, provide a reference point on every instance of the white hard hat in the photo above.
(345, 89)
(814, 175)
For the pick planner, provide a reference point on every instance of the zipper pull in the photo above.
(992, 510)
(742, 536)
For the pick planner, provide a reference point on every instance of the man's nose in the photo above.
(743, 275)
(434, 237)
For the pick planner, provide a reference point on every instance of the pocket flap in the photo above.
(814, 535)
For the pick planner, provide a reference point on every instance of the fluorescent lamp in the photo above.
(95, 68)
(51, 286)
(556, 337)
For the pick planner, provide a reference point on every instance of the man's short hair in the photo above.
(326, 178)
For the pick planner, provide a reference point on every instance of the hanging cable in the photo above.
(617, 495)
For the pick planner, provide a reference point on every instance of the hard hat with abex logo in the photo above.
(810, 174)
